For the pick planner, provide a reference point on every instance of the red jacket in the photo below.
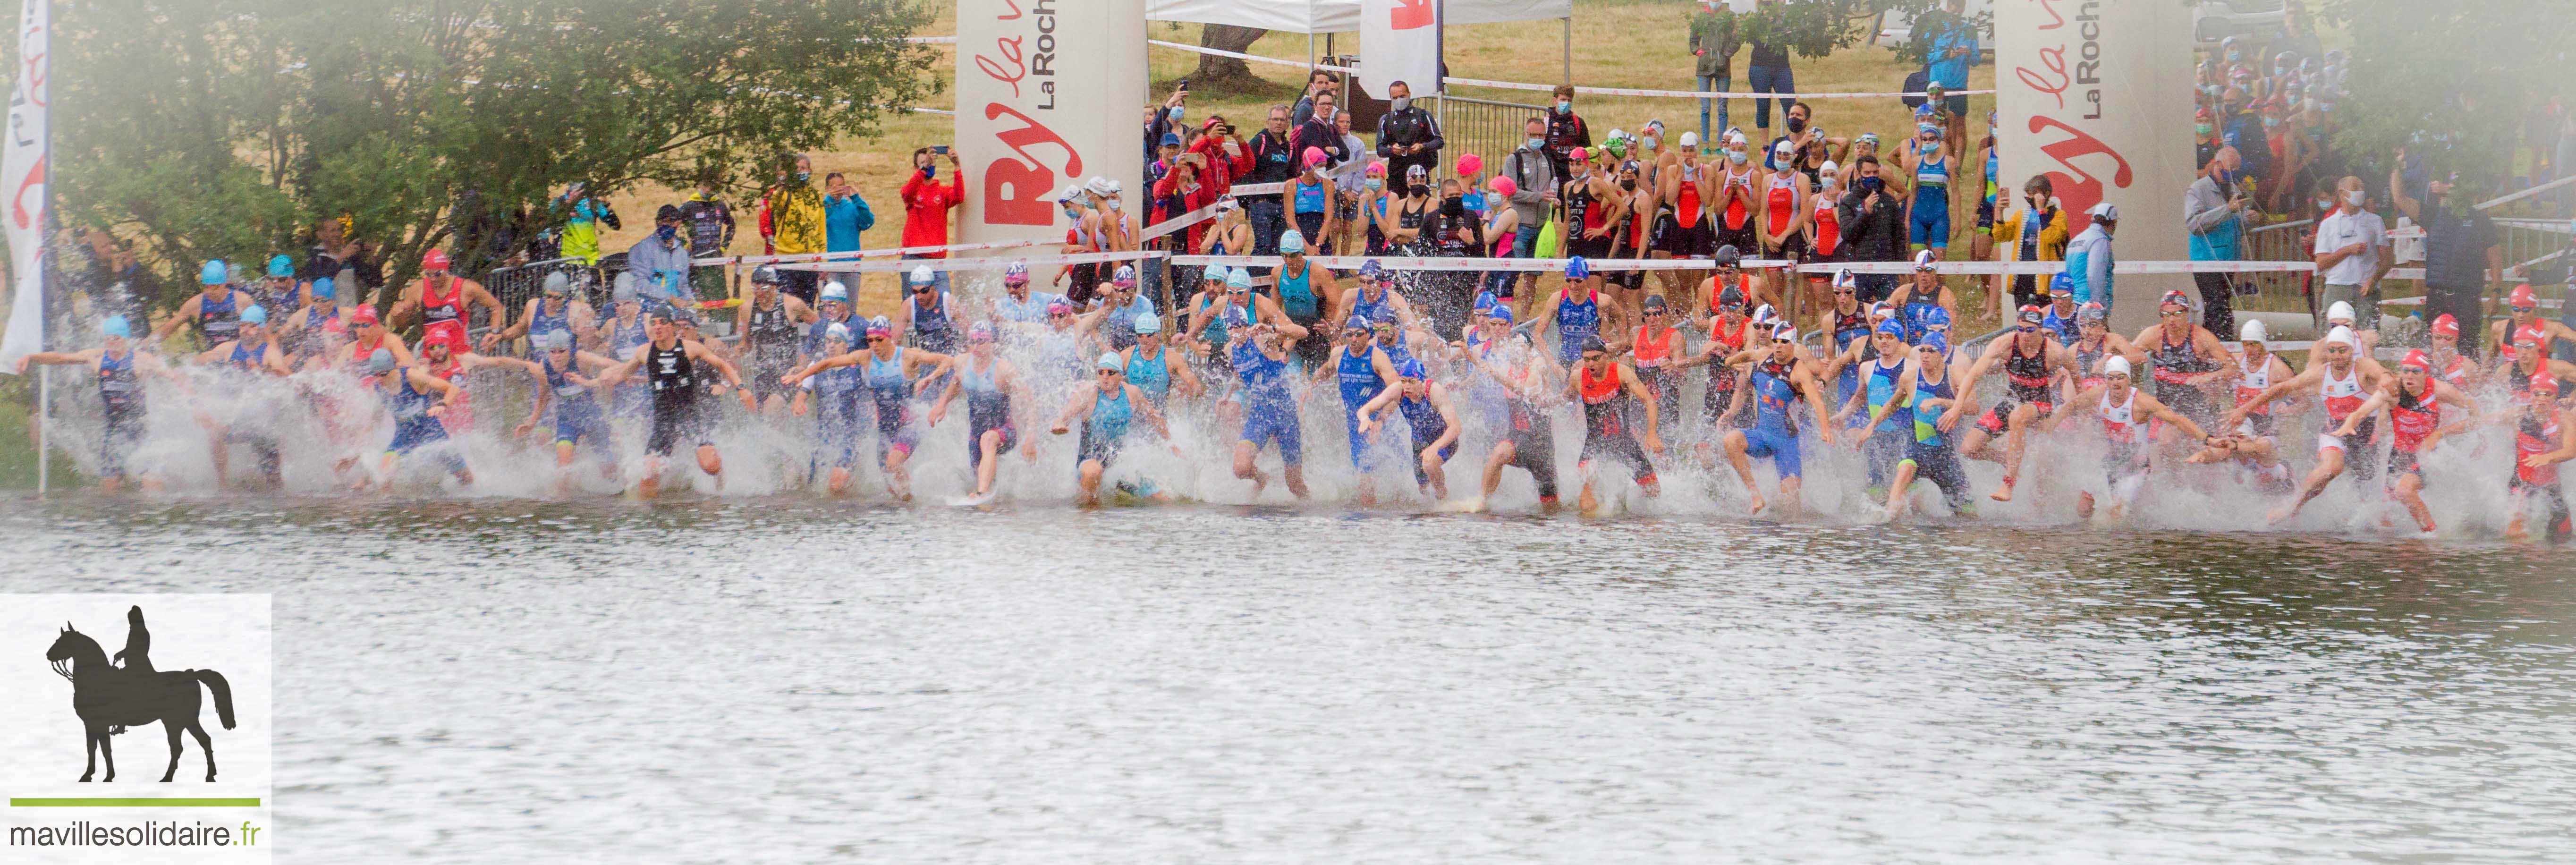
(1222, 168)
(925, 210)
(1205, 195)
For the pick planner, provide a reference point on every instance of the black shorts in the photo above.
(1590, 247)
(1745, 241)
(799, 284)
(1620, 447)
(123, 438)
(1986, 214)
(1793, 246)
(676, 423)
(762, 380)
(1534, 451)
(1081, 284)
(1697, 241)
(2401, 464)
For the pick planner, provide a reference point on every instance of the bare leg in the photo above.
(991, 444)
(1743, 463)
(1244, 452)
(1502, 455)
(1789, 487)
(838, 482)
(1432, 468)
(1296, 476)
(712, 463)
(651, 484)
(2329, 464)
(898, 481)
(1091, 472)
(2016, 444)
(1899, 487)
(2410, 491)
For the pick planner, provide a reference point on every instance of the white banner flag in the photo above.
(1044, 101)
(22, 169)
(1399, 41)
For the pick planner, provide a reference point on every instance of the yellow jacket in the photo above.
(2052, 235)
(796, 219)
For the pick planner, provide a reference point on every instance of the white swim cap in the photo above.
(2117, 365)
(2340, 311)
(2343, 335)
(1690, 139)
(2253, 331)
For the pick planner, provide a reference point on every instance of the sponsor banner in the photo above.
(137, 728)
(1407, 34)
(23, 169)
(1047, 92)
(2085, 93)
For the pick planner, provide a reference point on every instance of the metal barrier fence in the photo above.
(1489, 129)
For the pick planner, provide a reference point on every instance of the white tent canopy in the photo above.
(1340, 16)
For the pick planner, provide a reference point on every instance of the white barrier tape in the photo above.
(2038, 268)
(1690, 94)
(2527, 193)
(867, 253)
(1545, 88)
(1480, 265)
(947, 264)
(1193, 217)
(931, 40)
(2553, 226)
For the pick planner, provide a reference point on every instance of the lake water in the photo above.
(782, 679)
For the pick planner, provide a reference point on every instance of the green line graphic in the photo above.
(172, 802)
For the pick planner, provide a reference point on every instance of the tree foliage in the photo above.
(2450, 82)
(1815, 28)
(227, 128)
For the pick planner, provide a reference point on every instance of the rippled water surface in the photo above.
(785, 680)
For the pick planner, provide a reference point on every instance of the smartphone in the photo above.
(940, 149)
(1184, 86)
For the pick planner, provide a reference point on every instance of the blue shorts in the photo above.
(1365, 454)
(1781, 448)
(1929, 225)
(574, 426)
(1263, 425)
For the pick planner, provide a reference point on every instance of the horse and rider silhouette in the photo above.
(110, 698)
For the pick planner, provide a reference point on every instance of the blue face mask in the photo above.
(1565, 106)
(929, 171)
(1534, 143)
(1375, 184)
(1176, 114)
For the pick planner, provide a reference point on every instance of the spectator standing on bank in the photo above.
(2213, 213)
(1952, 49)
(1713, 43)
(1566, 131)
(1534, 180)
(2241, 128)
(2036, 230)
(796, 224)
(1273, 161)
(1349, 179)
(2351, 255)
(1767, 70)
(1873, 227)
(926, 202)
(660, 261)
(2463, 252)
(845, 214)
(2089, 259)
(708, 223)
(584, 213)
(1407, 136)
(1316, 130)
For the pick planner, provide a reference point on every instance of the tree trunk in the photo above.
(1225, 72)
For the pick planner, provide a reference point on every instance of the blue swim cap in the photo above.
(1411, 367)
(1372, 269)
(280, 265)
(1577, 268)
(1939, 315)
(212, 273)
(1891, 328)
(1484, 301)
(255, 314)
(1292, 243)
(1936, 342)
(115, 325)
(1357, 322)
(1500, 311)
(1110, 360)
(1147, 322)
(1240, 278)
(323, 290)
(381, 361)
(2062, 283)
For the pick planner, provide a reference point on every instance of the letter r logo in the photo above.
(1410, 14)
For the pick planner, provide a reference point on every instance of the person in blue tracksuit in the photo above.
(2088, 256)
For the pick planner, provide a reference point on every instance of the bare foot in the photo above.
(2003, 494)
(2282, 514)
(1758, 505)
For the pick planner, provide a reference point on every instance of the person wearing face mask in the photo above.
(1952, 49)
(1082, 235)
(1404, 237)
(2240, 127)
(1592, 202)
(1407, 135)
(926, 203)
(2214, 210)
(1784, 221)
(796, 220)
(1310, 201)
(2352, 255)
(2204, 136)
(1534, 177)
(2463, 252)
(1350, 177)
(2034, 230)
(1737, 196)
(583, 214)
(1928, 161)
(1683, 227)
(1566, 131)
(1376, 210)
(1631, 239)
(1873, 226)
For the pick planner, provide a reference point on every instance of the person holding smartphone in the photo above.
(926, 202)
